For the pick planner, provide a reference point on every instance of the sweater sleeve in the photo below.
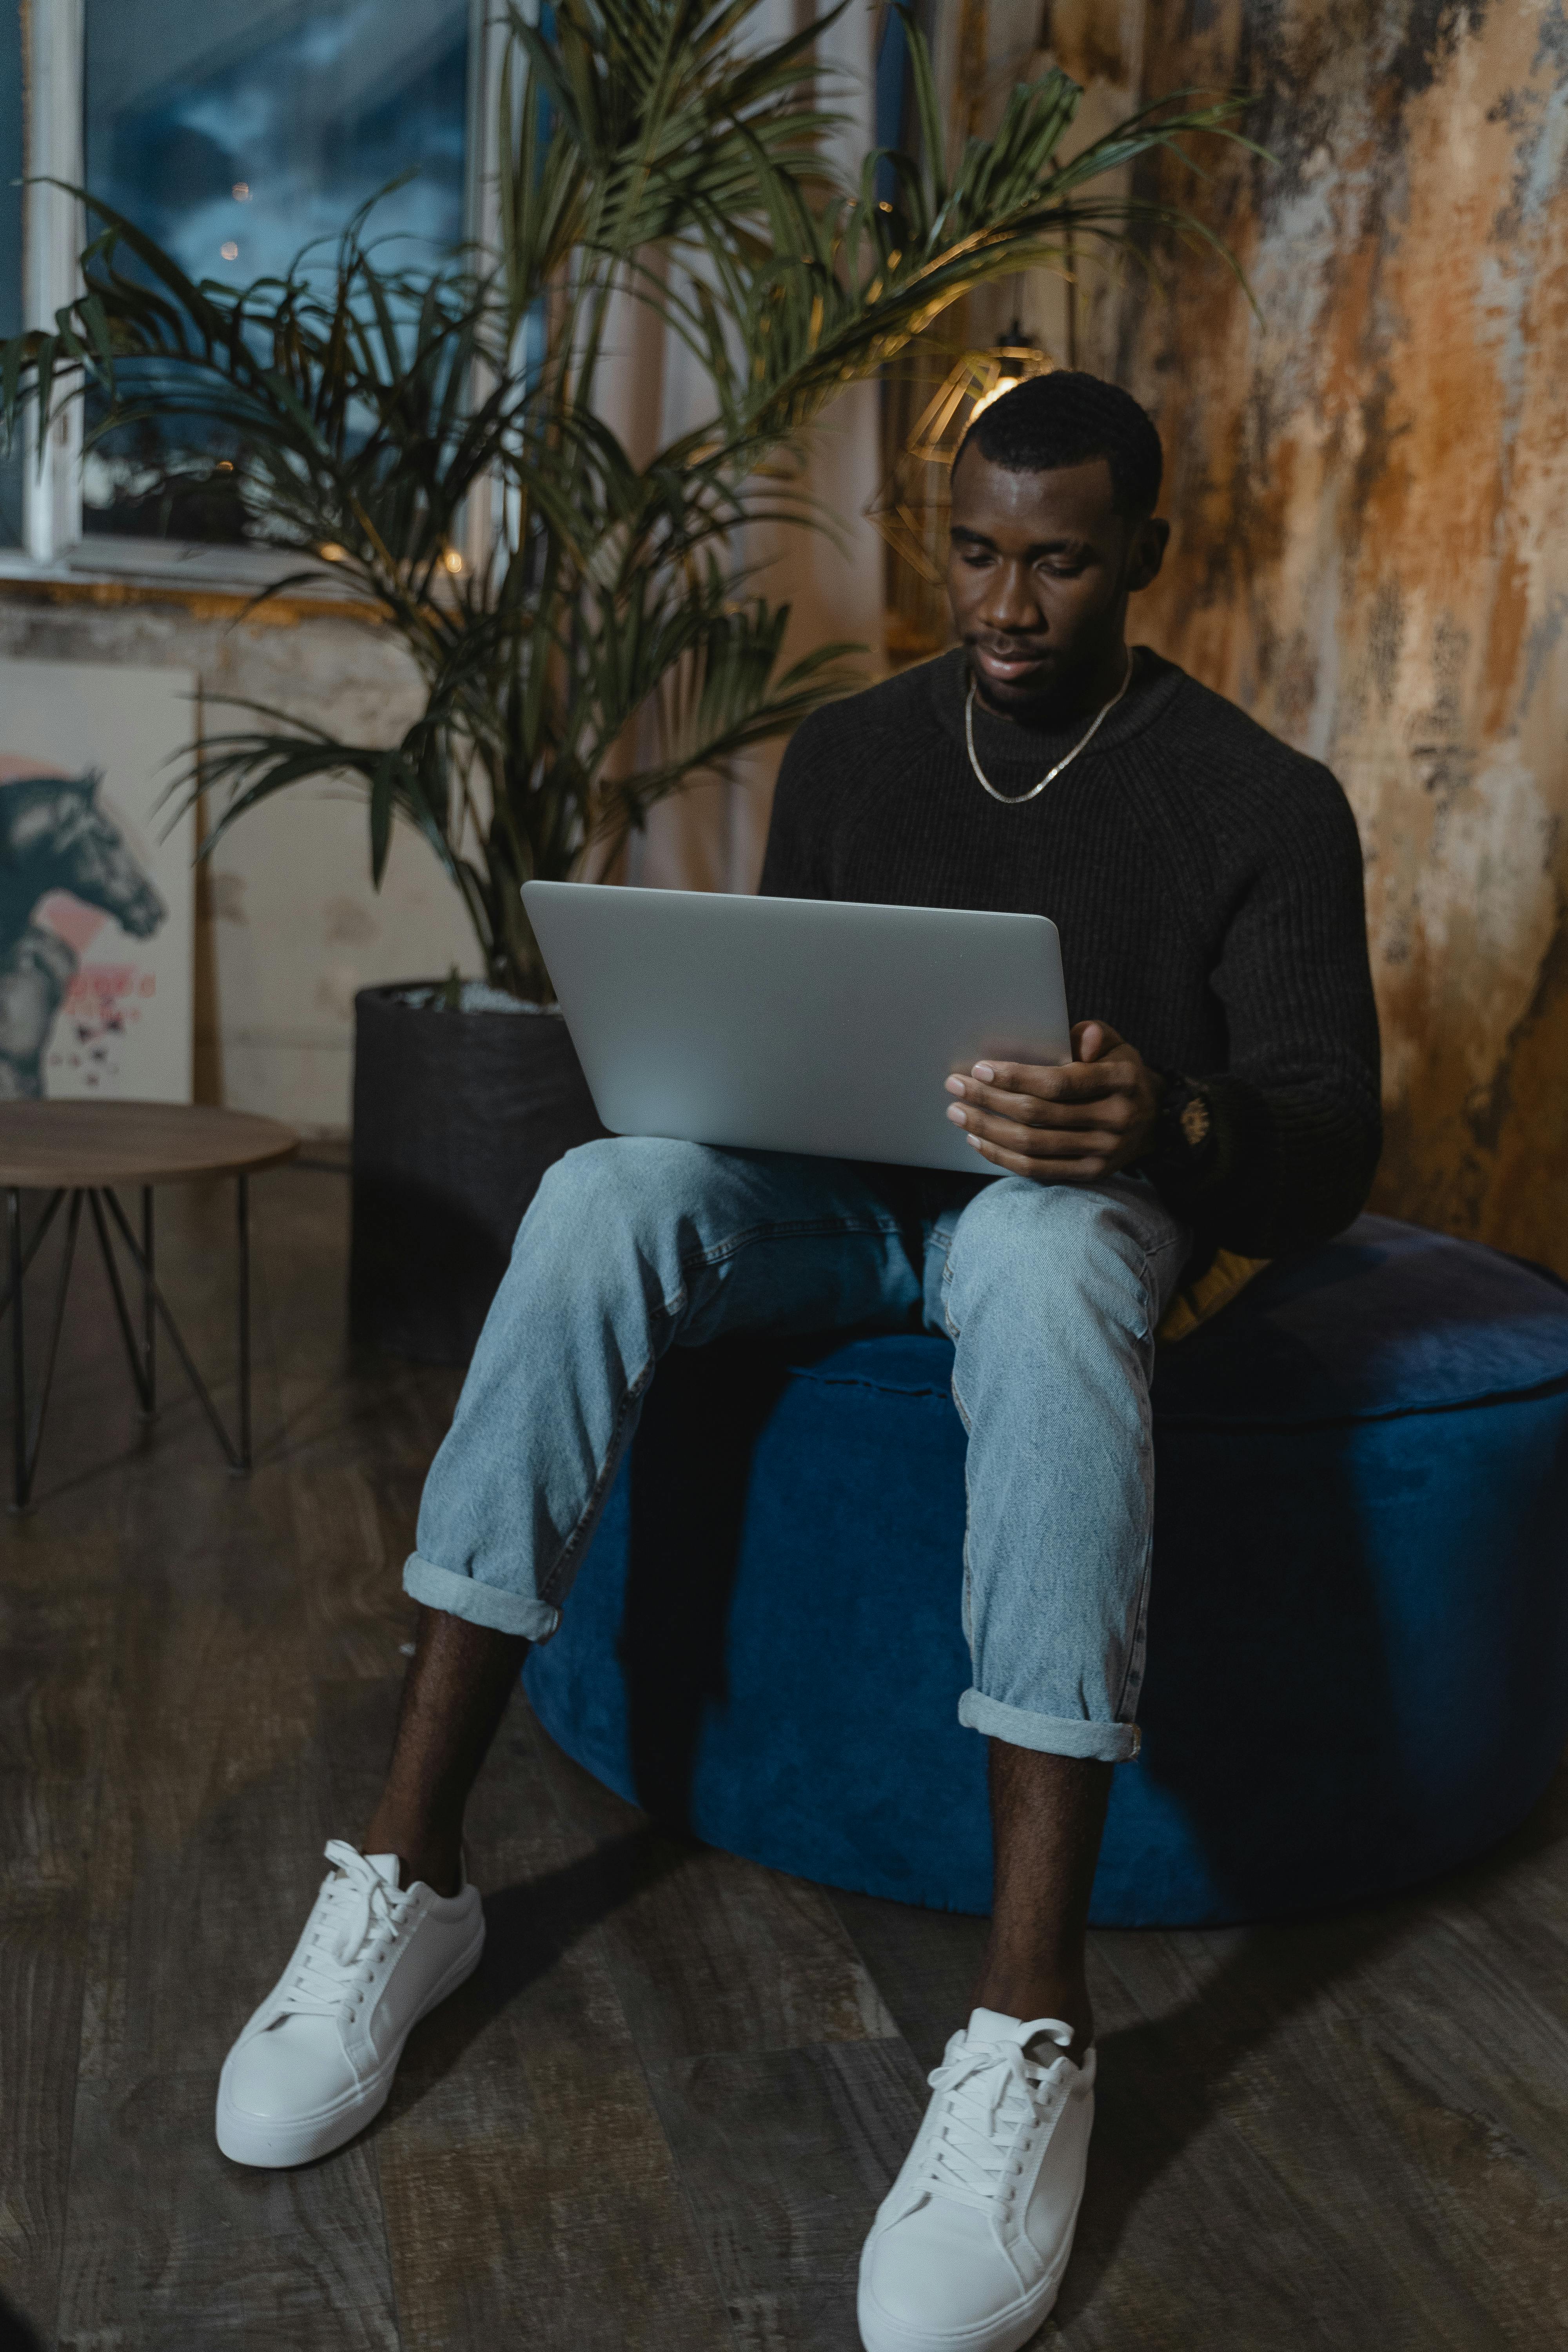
(1296, 1116)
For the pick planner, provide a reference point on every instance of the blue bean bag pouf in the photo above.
(1358, 1635)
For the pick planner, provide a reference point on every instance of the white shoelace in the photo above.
(356, 1916)
(990, 2094)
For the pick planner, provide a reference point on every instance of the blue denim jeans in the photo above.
(1050, 1294)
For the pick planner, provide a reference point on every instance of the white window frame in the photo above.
(54, 545)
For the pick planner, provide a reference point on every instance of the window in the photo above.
(11, 244)
(234, 131)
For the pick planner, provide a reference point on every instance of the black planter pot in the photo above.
(457, 1116)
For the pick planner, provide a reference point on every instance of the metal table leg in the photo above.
(237, 1456)
(242, 1211)
(27, 1436)
(18, 1358)
(149, 1318)
(134, 1353)
(27, 1440)
(40, 1233)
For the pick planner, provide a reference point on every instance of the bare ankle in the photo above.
(432, 1857)
(1065, 1999)
(454, 1695)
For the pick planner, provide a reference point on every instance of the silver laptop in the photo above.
(794, 1024)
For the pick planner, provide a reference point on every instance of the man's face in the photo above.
(1038, 571)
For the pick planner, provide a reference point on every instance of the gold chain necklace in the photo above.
(1017, 800)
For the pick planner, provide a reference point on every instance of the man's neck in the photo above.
(1076, 699)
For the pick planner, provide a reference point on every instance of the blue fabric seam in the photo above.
(854, 1380)
(1213, 1424)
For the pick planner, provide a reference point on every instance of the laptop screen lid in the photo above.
(815, 1026)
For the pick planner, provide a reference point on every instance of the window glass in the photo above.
(11, 169)
(235, 131)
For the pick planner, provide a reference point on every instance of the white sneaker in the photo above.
(316, 2061)
(969, 2245)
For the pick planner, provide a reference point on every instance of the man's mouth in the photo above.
(1005, 664)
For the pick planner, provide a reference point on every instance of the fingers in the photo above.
(1069, 1123)
(1110, 1107)
(1093, 1039)
(1092, 1167)
(1054, 1082)
(1065, 1132)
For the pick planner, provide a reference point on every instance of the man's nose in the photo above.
(1009, 601)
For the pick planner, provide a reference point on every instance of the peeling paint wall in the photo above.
(1369, 485)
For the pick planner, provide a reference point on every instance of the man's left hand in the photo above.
(1074, 1123)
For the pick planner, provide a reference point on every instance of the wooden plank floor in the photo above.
(663, 2112)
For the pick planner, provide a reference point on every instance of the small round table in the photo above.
(80, 1152)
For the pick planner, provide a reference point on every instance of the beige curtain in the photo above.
(711, 837)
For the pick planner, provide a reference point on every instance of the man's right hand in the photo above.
(1073, 1122)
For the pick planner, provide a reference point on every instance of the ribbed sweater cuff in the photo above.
(1236, 1158)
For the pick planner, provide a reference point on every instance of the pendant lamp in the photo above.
(910, 505)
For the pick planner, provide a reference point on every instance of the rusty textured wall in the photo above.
(1368, 487)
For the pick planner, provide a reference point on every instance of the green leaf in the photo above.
(383, 800)
(661, 155)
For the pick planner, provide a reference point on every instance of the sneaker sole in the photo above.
(1007, 2331)
(275, 2143)
(880, 2332)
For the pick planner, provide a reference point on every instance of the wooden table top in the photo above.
(46, 1144)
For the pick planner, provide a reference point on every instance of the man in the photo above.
(1207, 882)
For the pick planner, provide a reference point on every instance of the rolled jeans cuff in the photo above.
(481, 1604)
(1050, 1735)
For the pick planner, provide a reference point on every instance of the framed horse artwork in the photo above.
(97, 897)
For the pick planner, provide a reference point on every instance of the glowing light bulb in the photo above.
(241, 192)
(229, 250)
(331, 552)
(453, 560)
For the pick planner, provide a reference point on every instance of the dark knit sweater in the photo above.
(1207, 882)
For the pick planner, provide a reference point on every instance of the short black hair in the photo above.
(1066, 419)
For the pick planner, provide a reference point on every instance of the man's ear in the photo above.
(1147, 552)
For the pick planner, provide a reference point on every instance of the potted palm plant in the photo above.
(586, 633)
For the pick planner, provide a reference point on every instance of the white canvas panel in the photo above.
(96, 895)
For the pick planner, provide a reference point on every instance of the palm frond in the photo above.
(660, 153)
